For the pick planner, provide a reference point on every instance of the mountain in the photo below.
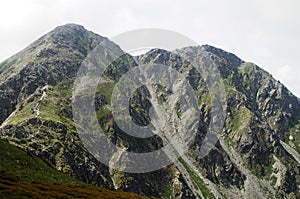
(257, 153)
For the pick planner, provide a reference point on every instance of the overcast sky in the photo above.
(265, 32)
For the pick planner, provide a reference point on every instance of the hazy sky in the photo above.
(265, 32)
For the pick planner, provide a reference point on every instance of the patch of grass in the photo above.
(106, 89)
(52, 112)
(25, 114)
(104, 117)
(229, 141)
(205, 99)
(196, 180)
(264, 170)
(63, 88)
(241, 118)
(269, 169)
(27, 167)
(56, 106)
(229, 89)
(103, 112)
(49, 109)
(168, 192)
(36, 190)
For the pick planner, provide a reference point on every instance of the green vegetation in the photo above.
(295, 132)
(104, 117)
(269, 169)
(241, 118)
(206, 99)
(11, 188)
(264, 170)
(196, 180)
(179, 114)
(27, 167)
(106, 89)
(102, 112)
(168, 192)
(26, 176)
(229, 141)
(56, 106)
(229, 89)
(25, 114)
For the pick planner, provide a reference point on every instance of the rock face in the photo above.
(254, 157)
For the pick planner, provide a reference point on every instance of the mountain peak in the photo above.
(230, 57)
(73, 34)
(70, 28)
(70, 25)
(157, 51)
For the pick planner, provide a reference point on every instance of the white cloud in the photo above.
(264, 32)
(290, 77)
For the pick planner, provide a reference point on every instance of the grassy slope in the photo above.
(26, 176)
(15, 189)
(27, 167)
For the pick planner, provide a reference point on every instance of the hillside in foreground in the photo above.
(23, 175)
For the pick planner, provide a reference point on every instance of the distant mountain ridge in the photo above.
(257, 155)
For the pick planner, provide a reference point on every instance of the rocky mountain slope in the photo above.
(257, 155)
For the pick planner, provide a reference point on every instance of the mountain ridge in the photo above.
(35, 99)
